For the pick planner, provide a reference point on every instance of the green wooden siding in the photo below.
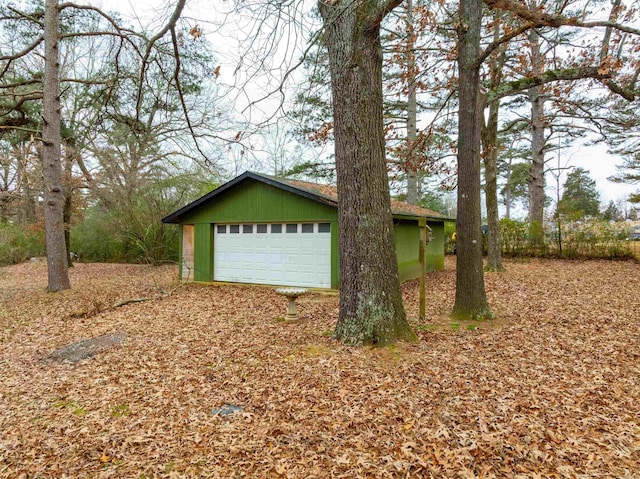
(435, 249)
(407, 236)
(255, 202)
(180, 252)
(202, 252)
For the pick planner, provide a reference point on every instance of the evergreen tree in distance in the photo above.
(580, 198)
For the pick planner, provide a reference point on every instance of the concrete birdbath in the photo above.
(291, 294)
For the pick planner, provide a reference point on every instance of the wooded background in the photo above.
(108, 124)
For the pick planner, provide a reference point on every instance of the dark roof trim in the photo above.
(415, 218)
(175, 216)
(292, 189)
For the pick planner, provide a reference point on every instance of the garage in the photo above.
(261, 229)
(288, 254)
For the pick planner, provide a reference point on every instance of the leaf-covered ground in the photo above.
(549, 389)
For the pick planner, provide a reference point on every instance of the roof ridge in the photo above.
(401, 204)
(323, 193)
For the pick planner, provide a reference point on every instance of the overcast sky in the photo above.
(593, 158)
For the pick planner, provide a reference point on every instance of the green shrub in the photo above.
(449, 229)
(515, 237)
(96, 238)
(18, 244)
(105, 236)
(584, 240)
(131, 230)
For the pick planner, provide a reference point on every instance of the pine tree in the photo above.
(580, 197)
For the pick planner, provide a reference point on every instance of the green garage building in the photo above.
(265, 230)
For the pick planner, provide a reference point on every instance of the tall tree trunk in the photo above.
(471, 299)
(66, 219)
(58, 274)
(70, 157)
(536, 179)
(371, 309)
(490, 155)
(413, 184)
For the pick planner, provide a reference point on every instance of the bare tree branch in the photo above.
(20, 83)
(502, 40)
(381, 13)
(542, 19)
(169, 27)
(25, 16)
(107, 17)
(280, 89)
(513, 87)
(22, 53)
(178, 85)
(625, 93)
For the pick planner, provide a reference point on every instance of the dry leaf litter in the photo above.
(210, 382)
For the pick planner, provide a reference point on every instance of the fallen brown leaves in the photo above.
(549, 389)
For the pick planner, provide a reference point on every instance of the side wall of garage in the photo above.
(407, 236)
(435, 249)
(407, 239)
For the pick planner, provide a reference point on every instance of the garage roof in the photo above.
(322, 193)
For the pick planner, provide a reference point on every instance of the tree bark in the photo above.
(66, 219)
(536, 180)
(471, 300)
(71, 155)
(58, 274)
(494, 257)
(490, 155)
(371, 309)
(507, 193)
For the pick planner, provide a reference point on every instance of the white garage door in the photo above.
(288, 254)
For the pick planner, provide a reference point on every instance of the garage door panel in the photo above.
(262, 259)
(276, 258)
(308, 260)
(292, 259)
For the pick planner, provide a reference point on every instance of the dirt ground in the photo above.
(210, 382)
